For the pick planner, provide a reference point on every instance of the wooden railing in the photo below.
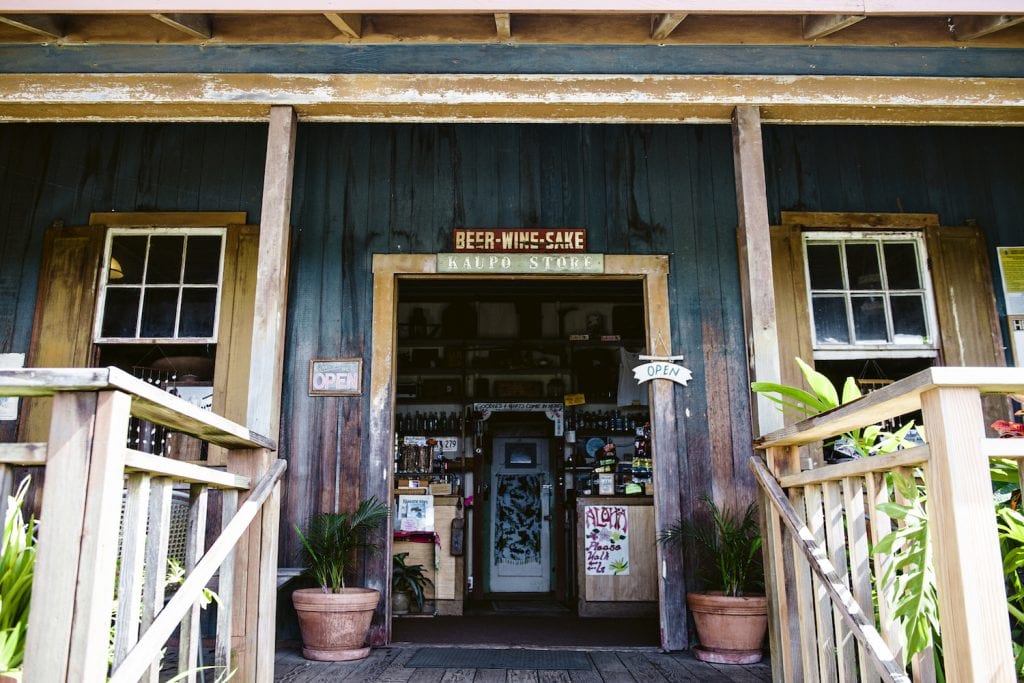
(104, 524)
(820, 526)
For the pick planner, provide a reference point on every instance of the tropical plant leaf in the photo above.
(821, 385)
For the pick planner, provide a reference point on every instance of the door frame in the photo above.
(652, 271)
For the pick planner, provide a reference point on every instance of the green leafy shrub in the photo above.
(17, 566)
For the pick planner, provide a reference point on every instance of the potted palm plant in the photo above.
(407, 584)
(731, 622)
(334, 618)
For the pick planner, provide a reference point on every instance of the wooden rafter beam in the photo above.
(503, 24)
(350, 25)
(195, 25)
(816, 26)
(662, 25)
(971, 27)
(46, 25)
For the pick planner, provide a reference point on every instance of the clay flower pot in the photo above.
(731, 629)
(334, 625)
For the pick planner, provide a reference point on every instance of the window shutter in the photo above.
(65, 306)
(793, 317)
(964, 297)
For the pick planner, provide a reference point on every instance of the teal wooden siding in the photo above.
(361, 189)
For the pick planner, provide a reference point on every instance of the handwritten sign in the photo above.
(606, 541)
(335, 376)
(516, 240)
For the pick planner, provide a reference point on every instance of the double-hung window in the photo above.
(161, 285)
(869, 294)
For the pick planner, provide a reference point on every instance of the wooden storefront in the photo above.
(644, 162)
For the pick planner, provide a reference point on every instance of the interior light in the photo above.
(115, 272)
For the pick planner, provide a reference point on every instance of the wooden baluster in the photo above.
(860, 561)
(154, 589)
(810, 648)
(225, 587)
(815, 520)
(190, 640)
(133, 547)
(968, 566)
(881, 524)
(835, 534)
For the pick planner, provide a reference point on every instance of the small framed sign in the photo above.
(335, 376)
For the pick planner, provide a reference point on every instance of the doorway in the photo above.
(649, 277)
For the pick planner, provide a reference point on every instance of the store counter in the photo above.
(432, 550)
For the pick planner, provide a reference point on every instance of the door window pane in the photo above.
(121, 312)
(869, 319)
(901, 265)
(862, 265)
(830, 320)
(908, 319)
(198, 306)
(824, 266)
(158, 312)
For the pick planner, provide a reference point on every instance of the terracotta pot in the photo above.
(731, 630)
(334, 625)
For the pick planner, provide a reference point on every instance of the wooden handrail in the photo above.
(137, 461)
(860, 626)
(149, 403)
(148, 646)
(898, 398)
(23, 454)
(910, 457)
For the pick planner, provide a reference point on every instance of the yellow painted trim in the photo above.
(190, 219)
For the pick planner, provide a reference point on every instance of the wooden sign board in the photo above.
(518, 240)
(335, 376)
(527, 264)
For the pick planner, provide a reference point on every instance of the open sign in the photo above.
(335, 376)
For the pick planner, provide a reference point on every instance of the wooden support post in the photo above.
(73, 589)
(755, 255)
(267, 361)
(248, 605)
(968, 567)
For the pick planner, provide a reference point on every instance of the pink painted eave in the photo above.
(866, 7)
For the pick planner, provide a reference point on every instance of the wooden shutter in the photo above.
(65, 306)
(234, 330)
(793, 318)
(965, 301)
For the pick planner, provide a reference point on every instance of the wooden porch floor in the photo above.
(388, 664)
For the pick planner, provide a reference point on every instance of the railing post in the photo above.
(254, 602)
(972, 599)
(73, 587)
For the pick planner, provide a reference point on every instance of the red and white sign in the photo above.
(519, 240)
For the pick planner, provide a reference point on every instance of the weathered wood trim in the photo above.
(971, 27)
(910, 457)
(662, 25)
(266, 365)
(755, 257)
(350, 25)
(901, 397)
(503, 25)
(45, 25)
(183, 471)
(177, 219)
(509, 98)
(818, 26)
(23, 454)
(193, 25)
(891, 221)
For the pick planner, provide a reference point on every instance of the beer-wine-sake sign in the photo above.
(606, 545)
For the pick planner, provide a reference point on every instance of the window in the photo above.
(161, 284)
(869, 292)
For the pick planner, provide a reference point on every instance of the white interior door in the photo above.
(520, 548)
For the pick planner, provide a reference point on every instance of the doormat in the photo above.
(481, 658)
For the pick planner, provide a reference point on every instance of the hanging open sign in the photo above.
(662, 367)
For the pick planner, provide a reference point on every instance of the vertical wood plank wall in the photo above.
(361, 189)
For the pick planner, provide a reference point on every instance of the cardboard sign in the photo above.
(519, 240)
(606, 541)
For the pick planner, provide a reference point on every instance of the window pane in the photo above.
(901, 265)
(120, 312)
(830, 320)
(869, 319)
(862, 265)
(128, 255)
(158, 312)
(198, 305)
(165, 259)
(908, 321)
(202, 260)
(824, 266)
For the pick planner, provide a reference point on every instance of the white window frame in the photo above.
(874, 350)
(105, 283)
